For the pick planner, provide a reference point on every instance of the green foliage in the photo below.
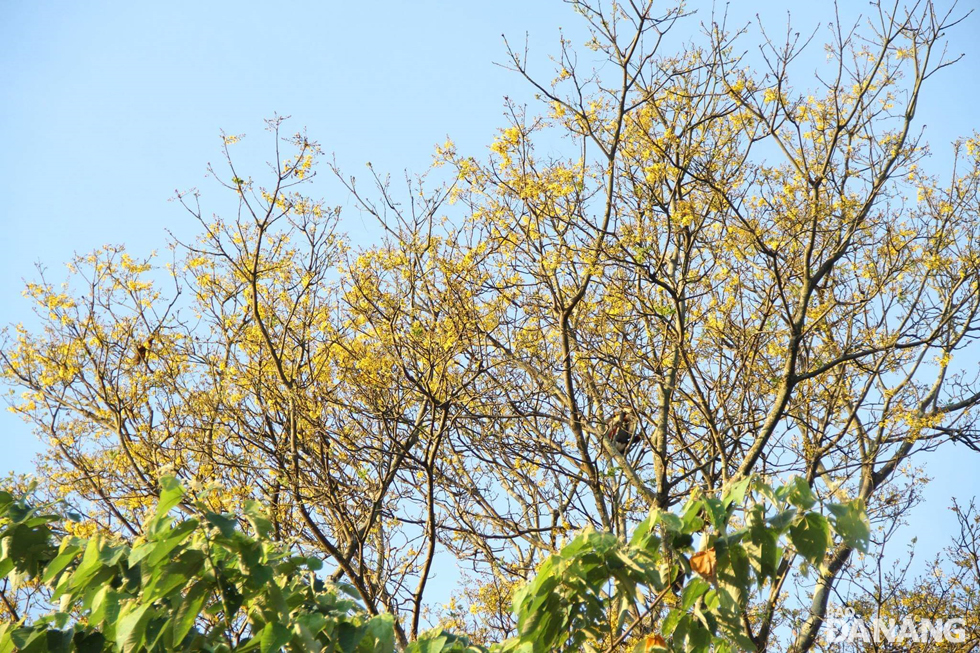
(201, 583)
(566, 607)
(197, 584)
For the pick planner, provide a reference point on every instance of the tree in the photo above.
(202, 584)
(949, 590)
(765, 276)
(197, 584)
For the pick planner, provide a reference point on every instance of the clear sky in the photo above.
(107, 107)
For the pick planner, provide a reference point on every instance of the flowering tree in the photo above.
(749, 275)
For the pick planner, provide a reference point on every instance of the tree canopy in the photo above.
(751, 273)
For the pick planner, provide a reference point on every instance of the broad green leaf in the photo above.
(764, 552)
(641, 530)
(811, 537)
(132, 625)
(27, 547)
(851, 522)
(90, 564)
(89, 642)
(382, 628)
(799, 494)
(694, 590)
(273, 637)
(734, 493)
(782, 520)
(27, 640)
(314, 622)
(716, 509)
(225, 523)
(67, 554)
(672, 620)
(171, 492)
(690, 517)
(174, 575)
(314, 564)
(671, 522)
(190, 608)
(173, 539)
(105, 605)
(433, 644)
(257, 518)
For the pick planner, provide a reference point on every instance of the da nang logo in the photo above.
(848, 628)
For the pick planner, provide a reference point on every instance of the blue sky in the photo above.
(108, 107)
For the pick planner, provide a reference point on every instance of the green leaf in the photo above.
(139, 550)
(735, 492)
(641, 531)
(716, 510)
(6, 499)
(171, 493)
(690, 516)
(799, 493)
(159, 634)
(811, 537)
(698, 637)
(174, 575)
(173, 539)
(273, 637)
(110, 555)
(348, 636)
(671, 522)
(851, 522)
(694, 590)
(313, 622)
(67, 554)
(782, 520)
(256, 517)
(89, 642)
(314, 563)
(27, 640)
(90, 564)
(58, 641)
(672, 620)
(681, 540)
(132, 625)
(382, 628)
(190, 608)
(765, 552)
(105, 605)
(738, 561)
(433, 644)
(225, 523)
(27, 547)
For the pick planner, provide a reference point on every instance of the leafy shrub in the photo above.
(204, 584)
